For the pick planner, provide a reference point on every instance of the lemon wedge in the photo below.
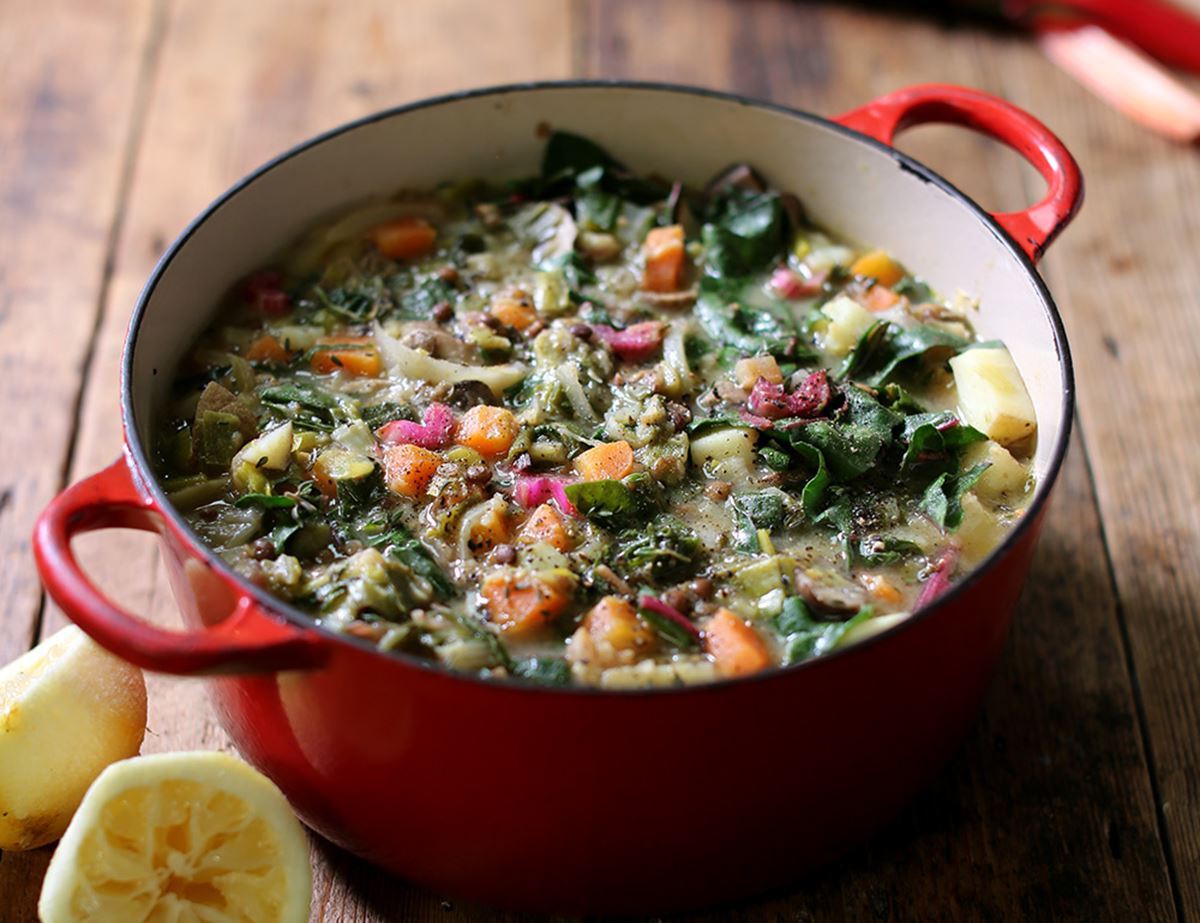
(180, 837)
(68, 708)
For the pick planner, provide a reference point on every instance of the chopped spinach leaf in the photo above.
(744, 232)
(805, 637)
(942, 500)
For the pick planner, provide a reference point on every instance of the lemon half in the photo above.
(68, 708)
(180, 837)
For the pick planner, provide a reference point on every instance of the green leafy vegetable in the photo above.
(804, 637)
(745, 232)
(663, 551)
(915, 290)
(614, 504)
(942, 500)
(851, 442)
(419, 301)
(764, 509)
(354, 306)
(936, 437)
(726, 320)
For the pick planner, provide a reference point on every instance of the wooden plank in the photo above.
(65, 137)
(226, 99)
(1130, 277)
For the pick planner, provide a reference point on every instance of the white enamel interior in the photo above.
(854, 188)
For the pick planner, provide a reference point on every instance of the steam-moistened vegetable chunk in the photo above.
(592, 427)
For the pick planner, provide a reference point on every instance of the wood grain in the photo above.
(63, 140)
(65, 137)
(1049, 811)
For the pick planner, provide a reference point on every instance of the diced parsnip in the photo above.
(725, 444)
(869, 628)
(748, 371)
(992, 395)
(848, 320)
(1005, 479)
(272, 451)
(980, 531)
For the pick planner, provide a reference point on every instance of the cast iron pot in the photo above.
(589, 800)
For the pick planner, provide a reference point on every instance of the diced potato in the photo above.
(848, 320)
(356, 437)
(724, 444)
(1005, 479)
(980, 532)
(869, 628)
(992, 395)
(272, 451)
(748, 371)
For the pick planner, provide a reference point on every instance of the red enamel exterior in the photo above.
(575, 800)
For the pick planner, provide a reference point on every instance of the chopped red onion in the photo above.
(939, 580)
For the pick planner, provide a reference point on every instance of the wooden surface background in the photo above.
(1077, 795)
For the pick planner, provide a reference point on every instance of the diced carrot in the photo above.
(408, 469)
(736, 647)
(607, 461)
(267, 349)
(616, 621)
(879, 298)
(514, 309)
(879, 266)
(490, 529)
(352, 355)
(521, 604)
(404, 238)
(488, 430)
(882, 588)
(748, 371)
(545, 524)
(663, 250)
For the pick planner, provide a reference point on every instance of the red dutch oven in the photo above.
(586, 800)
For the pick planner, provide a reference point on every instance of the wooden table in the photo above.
(1077, 795)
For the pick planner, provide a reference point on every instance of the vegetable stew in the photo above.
(594, 427)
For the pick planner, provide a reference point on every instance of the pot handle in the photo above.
(1034, 228)
(248, 641)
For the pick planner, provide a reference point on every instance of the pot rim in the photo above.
(136, 453)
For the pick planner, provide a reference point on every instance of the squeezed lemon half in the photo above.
(68, 708)
(177, 838)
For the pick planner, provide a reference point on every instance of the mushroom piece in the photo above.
(836, 599)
